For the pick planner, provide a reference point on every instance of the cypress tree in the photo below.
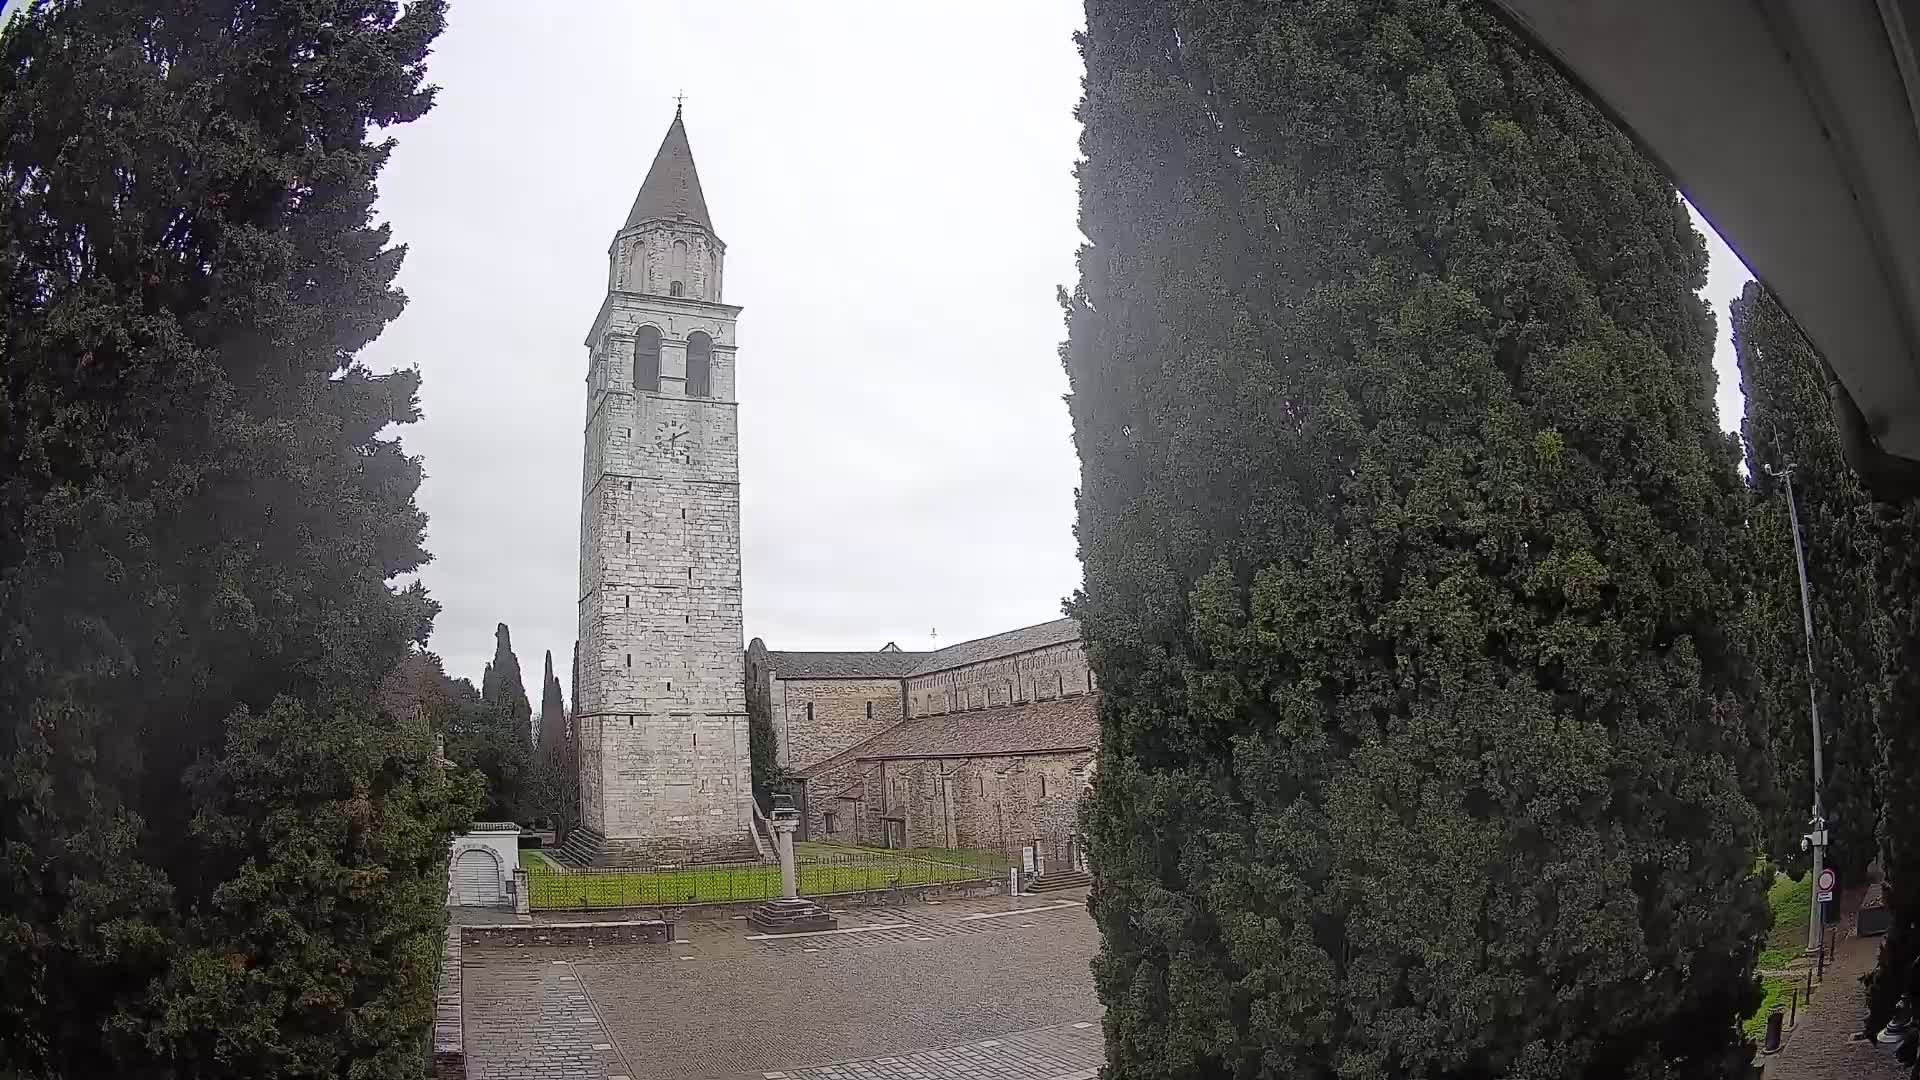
(220, 855)
(553, 714)
(492, 734)
(1790, 421)
(509, 691)
(1898, 775)
(1409, 542)
(510, 694)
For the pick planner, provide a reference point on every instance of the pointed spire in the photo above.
(672, 187)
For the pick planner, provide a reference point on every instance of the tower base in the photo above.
(588, 848)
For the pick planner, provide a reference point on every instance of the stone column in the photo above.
(783, 829)
(791, 914)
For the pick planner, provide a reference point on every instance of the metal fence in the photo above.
(819, 875)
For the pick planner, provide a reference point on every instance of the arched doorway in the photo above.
(476, 878)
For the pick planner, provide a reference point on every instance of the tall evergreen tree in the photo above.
(1408, 533)
(1790, 421)
(1898, 777)
(491, 733)
(219, 854)
(553, 714)
(509, 691)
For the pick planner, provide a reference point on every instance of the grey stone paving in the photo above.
(534, 1019)
(723, 1006)
(1062, 1052)
(1822, 1045)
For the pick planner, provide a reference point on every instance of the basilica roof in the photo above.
(672, 187)
(980, 650)
(1035, 727)
(842, 665)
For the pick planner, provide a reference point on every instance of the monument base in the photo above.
(791, 915)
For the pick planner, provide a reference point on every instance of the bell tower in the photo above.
(662, 717)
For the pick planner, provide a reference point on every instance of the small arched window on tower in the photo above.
(699, 365)
(646, 360)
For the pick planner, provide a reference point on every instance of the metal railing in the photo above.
(819, 875)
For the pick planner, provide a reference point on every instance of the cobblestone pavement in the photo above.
(534, 1019)
(1063, 1052)
(727, 1005)
(1821, 1045)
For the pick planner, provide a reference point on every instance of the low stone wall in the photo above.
(604, 932)
(449, 1029)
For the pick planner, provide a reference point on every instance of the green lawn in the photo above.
(1790, 901)
(1773, 992)
(824, 870)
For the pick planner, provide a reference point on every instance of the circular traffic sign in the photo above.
(1826, 879)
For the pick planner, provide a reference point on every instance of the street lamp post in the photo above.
(1817, 838)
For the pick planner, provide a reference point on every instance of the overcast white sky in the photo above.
(894, 185)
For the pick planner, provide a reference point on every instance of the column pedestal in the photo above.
(792, 913)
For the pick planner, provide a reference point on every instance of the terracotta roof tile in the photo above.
(1069, 723)
(842, 665)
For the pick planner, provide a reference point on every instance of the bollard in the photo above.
(1772, 1043)
(1793, 1007)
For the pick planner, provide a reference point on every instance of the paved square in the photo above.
(940, 998)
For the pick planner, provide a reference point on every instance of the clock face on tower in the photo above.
(674, 441)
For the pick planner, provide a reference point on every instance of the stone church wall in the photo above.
(1037, 675)
(992, 803)
(819, 718)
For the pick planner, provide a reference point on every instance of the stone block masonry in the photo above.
(617, 932)
(661, 723)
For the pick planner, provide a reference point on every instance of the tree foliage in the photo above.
(220, 855)
(1411, 548)
(553, 713)
(553, 792)
(1898, 774)
(1789, 420)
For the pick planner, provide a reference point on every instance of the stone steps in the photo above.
(584, 847)
(1056, 880)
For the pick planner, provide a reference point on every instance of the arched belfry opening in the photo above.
(699, 365)
(646, 360)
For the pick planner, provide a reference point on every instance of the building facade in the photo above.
(661, 721)
(986, 744)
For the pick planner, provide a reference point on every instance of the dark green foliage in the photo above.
(554, 784)
(1789, 419)
(553, 713)
(1410, 543)
(763, 749)
(220, 855)
(497, 738)
(1899, 773)
(482, 737)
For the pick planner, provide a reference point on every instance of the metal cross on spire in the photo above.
(678, 100)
